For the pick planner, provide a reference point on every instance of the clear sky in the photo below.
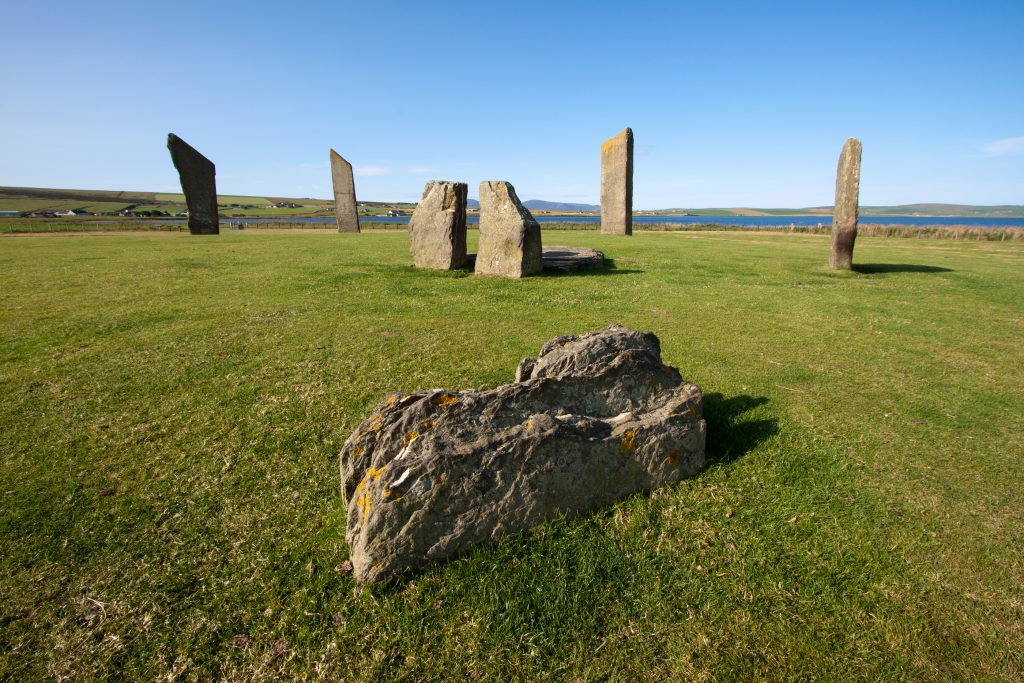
(731, 103)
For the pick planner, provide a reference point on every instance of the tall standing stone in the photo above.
(437, 230)
(198, 182)
(844, 217)
(344, 194)
(509, 242)
(617, 184)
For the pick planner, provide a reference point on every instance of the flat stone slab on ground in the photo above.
(591, 419)
(571, 258)
(563, 259)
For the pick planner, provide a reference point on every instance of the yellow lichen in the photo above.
(376, 473)
(529, 424)
(358, 450)
(626, 445)
(391, 400)
(427, 424)
(410, 437)
(363, 504)
(444, 400)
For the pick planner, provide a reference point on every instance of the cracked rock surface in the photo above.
(592, 419)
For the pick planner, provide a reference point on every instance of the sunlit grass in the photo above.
(174, 405)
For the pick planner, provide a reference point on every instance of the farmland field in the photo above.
(221, 199)
(60, 204)
(174, 406)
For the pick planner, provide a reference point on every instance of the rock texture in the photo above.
(566, 259)
(509, 241)
(437, 229)
(198, 182)
(344, 194)
(617, 184)
(593, 418)
(844, 218)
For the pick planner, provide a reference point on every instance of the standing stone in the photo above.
(198, 182)
(844, 217)
(617, 184)
(344, 194)
(437, 229)
(509, 242)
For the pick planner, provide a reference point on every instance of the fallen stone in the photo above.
(591, 419)
(562, 259)
(844, 217)
(198, 181)
(617, 184)
(437, 229)
(566, 259)
(344, 183)
(509, 242)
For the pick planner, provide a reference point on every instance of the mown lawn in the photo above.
(173, 407)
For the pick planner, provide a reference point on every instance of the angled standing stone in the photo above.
(617, 184)
(844, 216)
(509, 242)
(437, 229)
(199, 183)
(344, 194)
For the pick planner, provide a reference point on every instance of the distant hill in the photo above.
(111, 201)
(967, 210)
(926, 210)
(542, 205)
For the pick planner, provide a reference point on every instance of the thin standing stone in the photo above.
(617, 184)
(509, 241)
(344, 194)
(844, 217)
(437, 229)
(198, 178)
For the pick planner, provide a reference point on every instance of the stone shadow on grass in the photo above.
(729, 437)
(607, 268)
(872, 268)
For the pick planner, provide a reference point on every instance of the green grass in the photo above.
(174, 405)
(59, 204)
(179, 198)
(300, 211)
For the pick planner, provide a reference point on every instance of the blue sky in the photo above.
(731, 103)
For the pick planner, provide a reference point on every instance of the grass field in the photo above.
(174, 405)
(60, 204)
(221, 199)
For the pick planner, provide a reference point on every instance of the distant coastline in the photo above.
(72, 204)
